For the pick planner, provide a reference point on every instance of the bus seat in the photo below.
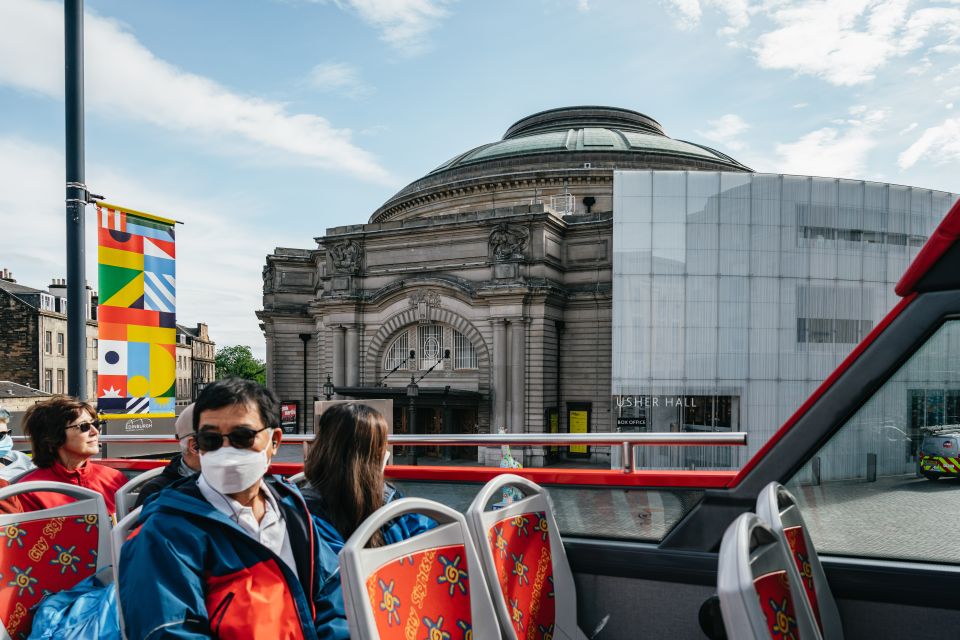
(126, 495)
(778, 508)
(758, 584)
(523, 557)
(430, 585)
(119, 536)
(49, 550)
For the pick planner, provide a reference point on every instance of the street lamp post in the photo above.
(412, 392)
(328, 388)
(306, 338)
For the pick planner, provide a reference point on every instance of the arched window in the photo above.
(430, 342)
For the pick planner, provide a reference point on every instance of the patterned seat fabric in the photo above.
(41, 556)
(801, 557)
(773, 591)
(524, 566)
(423, 595)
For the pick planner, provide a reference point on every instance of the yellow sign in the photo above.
(554, 426)
(578, 424)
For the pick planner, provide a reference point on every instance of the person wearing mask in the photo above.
(12, 462)
(231, 552)
(186, 463)
(64, 434)
(344, 467)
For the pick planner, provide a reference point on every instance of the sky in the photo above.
(262, 123)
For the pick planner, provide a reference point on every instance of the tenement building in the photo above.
(589, 273)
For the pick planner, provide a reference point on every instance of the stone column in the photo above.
(499, 390)
(339, 370)
(353, 356)
(271, 372)
(518, 358)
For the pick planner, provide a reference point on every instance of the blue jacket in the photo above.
(334, 624)
(190, 572)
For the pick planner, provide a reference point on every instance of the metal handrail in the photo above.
(734, 438)
(626, 441)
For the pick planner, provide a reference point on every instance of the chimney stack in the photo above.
(6, 275)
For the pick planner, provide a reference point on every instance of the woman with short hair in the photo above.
(65, 433)
(344, 467)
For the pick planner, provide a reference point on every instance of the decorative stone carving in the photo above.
(424, 301)
(509, 242)
(346, 256)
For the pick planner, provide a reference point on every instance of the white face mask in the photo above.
(230, 470)
(386, 458)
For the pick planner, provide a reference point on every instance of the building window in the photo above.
(430, 339)
(48, 342)
(465, 355)
(59, 344)
(48, 380)
(397, 353)
(60, 378)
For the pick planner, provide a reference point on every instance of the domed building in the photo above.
(490, 283)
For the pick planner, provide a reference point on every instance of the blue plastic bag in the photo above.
(88, 611)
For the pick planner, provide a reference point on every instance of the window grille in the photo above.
(430, 339)
(397, 353)
(466, 354)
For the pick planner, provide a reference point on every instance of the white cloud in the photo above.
(907, 129)
(583, 6)
(726, 130)
(801, 105)
(834, 151)
(939, 144)
(123, 78)
(403, 24)
(218, 259)
(339, 77)
(845, 42)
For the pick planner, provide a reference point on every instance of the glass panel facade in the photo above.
(736, 294)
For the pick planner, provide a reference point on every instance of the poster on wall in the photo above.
(289, 419)
(578, 421)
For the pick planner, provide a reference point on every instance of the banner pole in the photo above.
(76, 197)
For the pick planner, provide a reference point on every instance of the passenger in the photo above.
(10, 505)
(12, 463)
(232, 552)
(64, 434)
(186, 463)
(344, 467)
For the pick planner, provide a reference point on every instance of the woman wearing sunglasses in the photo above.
(344, 467)
(64, 434)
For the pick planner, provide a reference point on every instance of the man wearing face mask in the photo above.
(12, 463)
(232, 552)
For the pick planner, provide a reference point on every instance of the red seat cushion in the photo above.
(423, 595)
(42, 556)
(522, 557)
(801, 556)
(773, 590)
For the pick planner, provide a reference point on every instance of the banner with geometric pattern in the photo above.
(136, 315)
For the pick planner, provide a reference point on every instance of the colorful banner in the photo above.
(137, 349)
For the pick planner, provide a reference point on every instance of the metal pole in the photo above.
(76, 200)
(413, 426)
(306, 338)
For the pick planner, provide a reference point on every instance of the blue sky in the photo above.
(262, 123)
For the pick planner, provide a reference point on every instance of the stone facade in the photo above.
(196, 357)
(509, 248)
(33, 329)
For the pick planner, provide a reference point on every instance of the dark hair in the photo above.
(45, 423)
(232, 391)
(345, 465)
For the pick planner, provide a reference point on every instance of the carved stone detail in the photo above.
(509, 242)
(424, 301)
(346, 256)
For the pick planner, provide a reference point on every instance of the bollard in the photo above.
(871, 467)
(815, 469)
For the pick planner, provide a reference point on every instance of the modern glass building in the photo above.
(736, 294)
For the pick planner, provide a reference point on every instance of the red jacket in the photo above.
(10, 505)
(99, 478)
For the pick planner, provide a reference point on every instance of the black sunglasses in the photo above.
(86, 426)
(4, 434)
(240, 438)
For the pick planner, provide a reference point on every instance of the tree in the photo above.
(239, 361)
